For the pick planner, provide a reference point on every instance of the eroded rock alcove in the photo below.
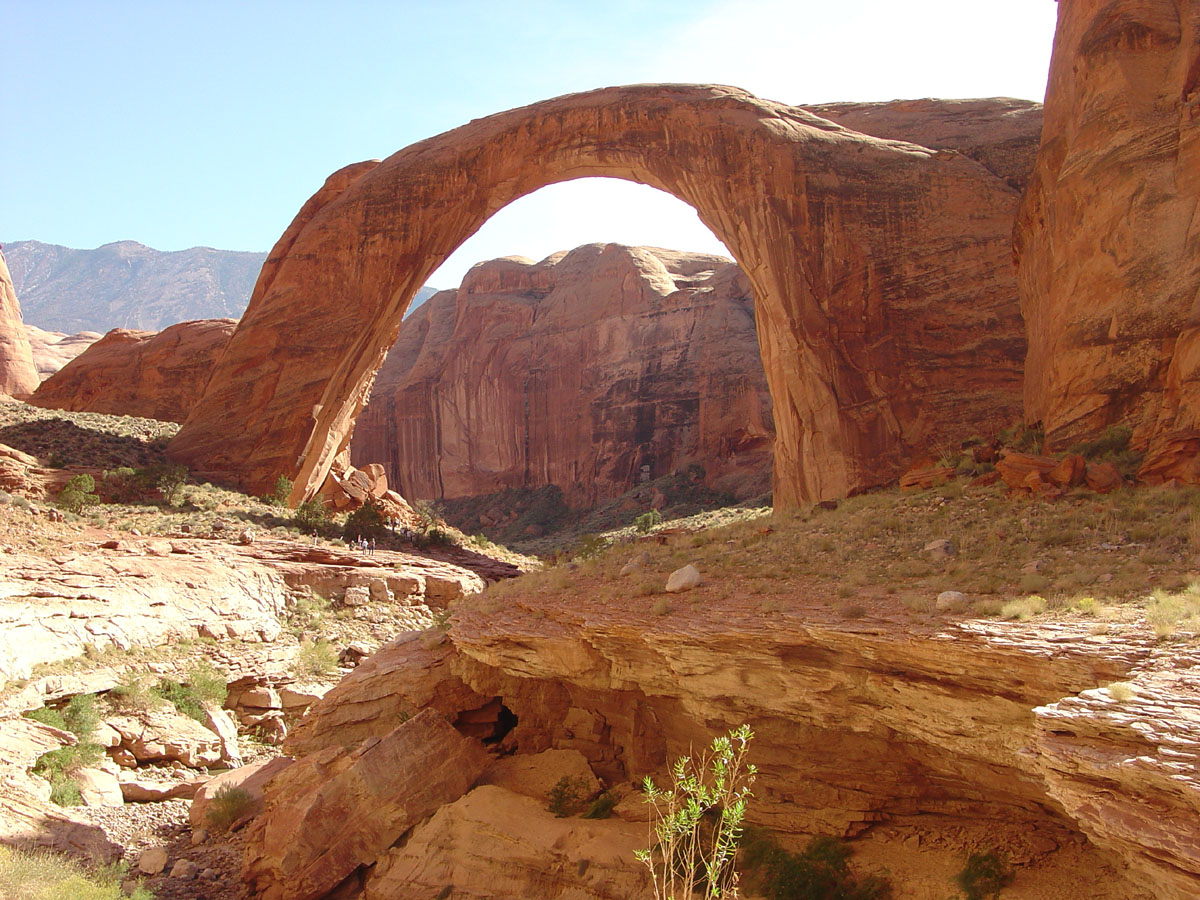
(881, 272)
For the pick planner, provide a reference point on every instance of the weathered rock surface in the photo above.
(855, 726)
(1107, 237)
(496, 844)
(158, 375)
(252, 779)
(163, 735)
(879, 332)
(1000, 133)
(18, 375)
(598, 362)
(327, 814)
(54, 349)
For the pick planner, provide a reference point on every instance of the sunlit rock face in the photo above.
(882, 275)
(589, 370)
(18, 374)
(156, 374)
(1108, 239)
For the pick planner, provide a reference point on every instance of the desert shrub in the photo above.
(1121, 691)
(602, 806)
(311, 515)
(316, 658)
(169, 479)
(365, 522)
(78, 494)
(568, 796)
(697, 822)
(228, 805)
(589, 546)
(79, 716)
(820, 872)
(1024, 609)
(984, 876)
(120, 485)
(279, 496)
(43, 875)
(646, 522)
(307, 614)
(202, 685)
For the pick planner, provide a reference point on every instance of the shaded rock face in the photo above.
(1107, 238)
(18, 375)
(882, 277)
(53, 349)
(577, 371)
(158, 375)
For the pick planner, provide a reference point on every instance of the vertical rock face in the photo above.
(18, 374)
(159, 375)
(1108, 238)
(884, 291)
(578, 371)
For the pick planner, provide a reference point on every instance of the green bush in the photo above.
(820, 872)
(568, 796)
(202, 684)
(311, 515)
(120, 485)
(316, 658)
(365, 522)
(646, 522)
(984, 876)
(698, 820)
(279, 496)
(78, 494)
(229, 804)
(169, 479)
(602, 806)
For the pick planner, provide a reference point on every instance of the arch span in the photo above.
(881, 272)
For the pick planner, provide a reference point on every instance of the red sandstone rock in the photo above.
(1069, 472)
(879, 332)
(1103, 478)
(1107, 234)
(581, 371)
(1015, 467)
(159, 375)
(329, 813)
(18, 375)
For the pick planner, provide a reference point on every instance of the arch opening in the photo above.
(847, 241)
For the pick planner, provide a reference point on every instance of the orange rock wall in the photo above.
(18, 374)
(576, 371)
(1108, 238)
(159, 375)
(881, 271)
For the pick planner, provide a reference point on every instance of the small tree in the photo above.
(283, 490)
(697, 823)
(77, 494)
(311, 514)
(366, 521)
(170, 481)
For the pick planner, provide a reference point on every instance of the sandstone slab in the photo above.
(329, 813)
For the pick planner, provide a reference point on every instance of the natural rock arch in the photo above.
(881, 271)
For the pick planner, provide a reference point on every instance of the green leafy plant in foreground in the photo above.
(984, 876)
(697, 822)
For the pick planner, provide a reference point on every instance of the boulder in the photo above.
(165, 735)
(1103, 478)
(535, 774)
(497, 844)
(684, 579)
(220, 723)
(329, 813)
(152, 860)
(146, 790)
(100, 785)
(252, 779)
(1015, 468)
(442, 589)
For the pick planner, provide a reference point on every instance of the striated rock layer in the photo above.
(863, 726)
(586, 370)
(158, 375)
(18, 374)
(1108, 238)
(882, 276)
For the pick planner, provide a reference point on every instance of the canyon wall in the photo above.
(158, 375)
(1108, 238)
(587, 370)
(18, 374)
(884, 291)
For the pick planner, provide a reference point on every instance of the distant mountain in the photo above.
(130, 285)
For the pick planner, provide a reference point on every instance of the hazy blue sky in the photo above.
(209, 123)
